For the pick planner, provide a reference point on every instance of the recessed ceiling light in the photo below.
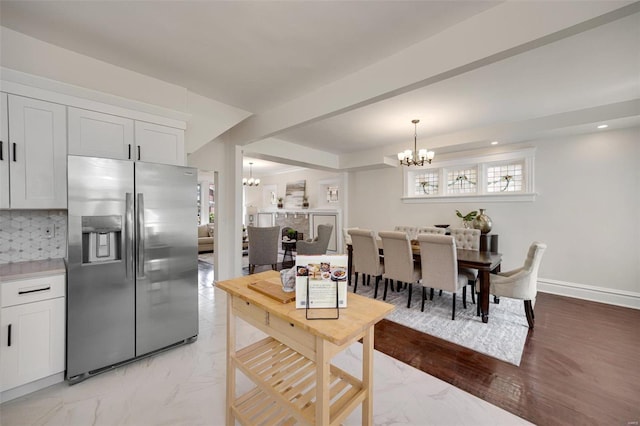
(494, 143)
(603, 126)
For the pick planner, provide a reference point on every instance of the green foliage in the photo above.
(211, 217)
(467, 217)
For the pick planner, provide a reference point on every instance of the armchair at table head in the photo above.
(319, 244)
(521, 283)
(263, 246)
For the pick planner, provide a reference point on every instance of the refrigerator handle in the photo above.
(140, 235)
(129, 240)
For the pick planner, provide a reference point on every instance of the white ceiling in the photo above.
(259, 55)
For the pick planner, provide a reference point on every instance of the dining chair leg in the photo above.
(424, 296)
(431, 294)
(274, 266)
(251, 269)
(386, 284)
(355, 282)
(464, 297)
(453, 310)
(528, 309)
(496, 300)
(410, 291)
(473, 290)
(440, 293)
(368, 280)
(375, 292)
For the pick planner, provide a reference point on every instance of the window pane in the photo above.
(427, 183)
(505, 178)
(462, 181)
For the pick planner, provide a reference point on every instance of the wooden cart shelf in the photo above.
(287, 380)
(295, 380)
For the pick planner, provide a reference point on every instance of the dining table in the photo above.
(484, 261)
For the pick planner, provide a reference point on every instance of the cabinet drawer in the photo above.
(287, 333)
(32, 290)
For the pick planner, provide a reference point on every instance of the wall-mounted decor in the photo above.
(294, 194)
(269, 195)
(332, 194)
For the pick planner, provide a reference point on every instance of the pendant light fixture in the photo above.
(251, 181)
(415, 157)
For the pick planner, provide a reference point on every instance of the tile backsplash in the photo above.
(24, 235)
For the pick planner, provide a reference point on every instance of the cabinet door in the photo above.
(38, 163)
(159, 144)
(32, 340)
(326, 219)
(100, 135)
(4, 153)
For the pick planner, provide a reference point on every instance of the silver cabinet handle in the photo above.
(128, 232)
(140, 235)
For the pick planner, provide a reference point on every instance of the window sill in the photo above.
(491, 198)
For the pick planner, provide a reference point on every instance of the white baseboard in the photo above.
(609, 296)
(19, 391)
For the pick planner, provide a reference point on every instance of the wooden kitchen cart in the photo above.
(291, 368)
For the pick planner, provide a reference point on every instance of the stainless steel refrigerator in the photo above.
(132, 270)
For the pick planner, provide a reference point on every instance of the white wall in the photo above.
(586, 211)
(254, 195)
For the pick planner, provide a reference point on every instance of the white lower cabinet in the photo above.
(32, 330)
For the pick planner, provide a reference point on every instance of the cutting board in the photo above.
(273, 290)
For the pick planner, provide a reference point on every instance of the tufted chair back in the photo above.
(431, 230)
(468, 239)
(319, 244)
(366, 257)
(411, 231)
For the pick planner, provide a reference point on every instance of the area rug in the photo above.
(206, 257)
(503, 337)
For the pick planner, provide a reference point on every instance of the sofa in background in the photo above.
(205, 238)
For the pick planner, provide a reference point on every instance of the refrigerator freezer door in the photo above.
(100, 290)
(167, 273)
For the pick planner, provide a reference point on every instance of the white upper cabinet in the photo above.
(37, 154)
(159, 144)
(96, 134)
(4, 153)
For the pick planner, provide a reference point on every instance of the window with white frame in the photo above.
(505, 177)
(499, 176)
(462, 180)
(427, 182)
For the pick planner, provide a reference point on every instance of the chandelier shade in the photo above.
(251, 181)
(415, 157)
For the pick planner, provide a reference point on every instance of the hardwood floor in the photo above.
(581, 363)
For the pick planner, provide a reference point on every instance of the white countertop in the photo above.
(31, 269)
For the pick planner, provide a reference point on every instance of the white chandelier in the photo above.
(415, 157)
(251, 181)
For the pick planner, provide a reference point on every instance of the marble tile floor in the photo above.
(186, 386)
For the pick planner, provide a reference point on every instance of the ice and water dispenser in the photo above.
(101, 236)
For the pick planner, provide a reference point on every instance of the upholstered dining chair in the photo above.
(263, 246)
(468, 239)
(440, 267)
(398, 262)
(411, 231)
(431, 230)
(319, 244)
(521, 283)
(345, 235)
(366, 256)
